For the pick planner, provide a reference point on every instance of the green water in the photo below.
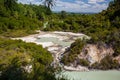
(92, 75)
(54, 40)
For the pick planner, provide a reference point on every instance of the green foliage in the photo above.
(83, 62)
(103, 28)
(63, 14)
(10, 4)
(18, 19)
(23, 18)
(13, 71)
(15, 55)
(72, 53)
(77, 46)
(106, 63)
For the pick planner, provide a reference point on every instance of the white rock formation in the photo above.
(94, 53)
(56, 49)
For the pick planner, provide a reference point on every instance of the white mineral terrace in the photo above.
(56, 42)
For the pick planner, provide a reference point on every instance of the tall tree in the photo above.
(10, 4)
(63, 14)
(49, 3)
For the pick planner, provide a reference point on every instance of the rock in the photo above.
(93, 53)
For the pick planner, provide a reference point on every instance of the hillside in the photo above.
(27, 61)
(21, 19)
(102, 51)
(20, 60)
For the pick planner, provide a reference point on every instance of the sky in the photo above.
(94, 6)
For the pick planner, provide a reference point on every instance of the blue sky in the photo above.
(75, 5)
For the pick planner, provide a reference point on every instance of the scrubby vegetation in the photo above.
(16, 55)
(20, 60)
(106, 63)
(18, 19)
(72, 52)
(104, 28)
(21, 20)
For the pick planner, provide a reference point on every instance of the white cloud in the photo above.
(79, 2)
(31, 1)
(79, 6)
(95, 1)
(76, 6)
(67, 6)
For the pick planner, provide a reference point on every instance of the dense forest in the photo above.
(17, 19)
(20, 20)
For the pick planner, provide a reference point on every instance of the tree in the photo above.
(14, 71)
(10, 4)
(49, 3)
(63, 14)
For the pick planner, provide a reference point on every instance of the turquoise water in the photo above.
(54, 40)
(92, 75)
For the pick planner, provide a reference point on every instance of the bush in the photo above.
(106, 63)
(83, 62)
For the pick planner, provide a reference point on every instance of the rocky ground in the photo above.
(57, 43)
(57, 48)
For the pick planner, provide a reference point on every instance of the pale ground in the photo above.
(78, 68)
(55, 49)
(56, 34)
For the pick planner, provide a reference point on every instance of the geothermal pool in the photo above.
(57, 42)
(92, 75)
